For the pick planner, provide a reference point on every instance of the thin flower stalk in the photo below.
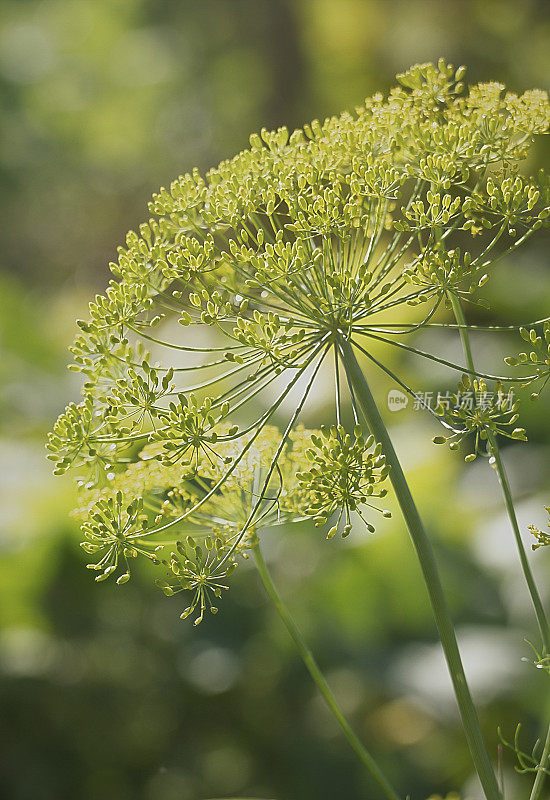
(541, 769)
(319, 678)
(497, 462)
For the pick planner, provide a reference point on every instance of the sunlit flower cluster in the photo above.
(473, 411)
(245, 280)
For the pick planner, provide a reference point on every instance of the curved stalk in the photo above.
(320, 681)
(430, 571)
(505, 484)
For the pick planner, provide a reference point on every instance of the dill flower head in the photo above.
(246, 279)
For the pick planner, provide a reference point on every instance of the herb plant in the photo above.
(303, 249)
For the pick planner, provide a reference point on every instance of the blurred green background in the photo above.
(104, 693)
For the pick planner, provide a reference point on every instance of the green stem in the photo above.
(541, 769)
(505, 484)
(529, 578)
(428, 565)
(512, 516)
(319, 678)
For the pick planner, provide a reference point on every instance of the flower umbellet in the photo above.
(302, 248)
(542, 537)
(536, 356)
(114, 531)
(342, 475)
(473, 410)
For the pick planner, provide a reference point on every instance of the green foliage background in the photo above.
(103, 692)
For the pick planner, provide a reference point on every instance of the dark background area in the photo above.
(104, 693)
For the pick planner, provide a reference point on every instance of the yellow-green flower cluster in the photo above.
(114, 532)
(537, 357)
(474, 411)
(226, 520)
(542, 537)
(246, 279)
(343, 475)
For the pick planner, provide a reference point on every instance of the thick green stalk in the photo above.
(319, 679)
(505, 484)
(428, 565)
